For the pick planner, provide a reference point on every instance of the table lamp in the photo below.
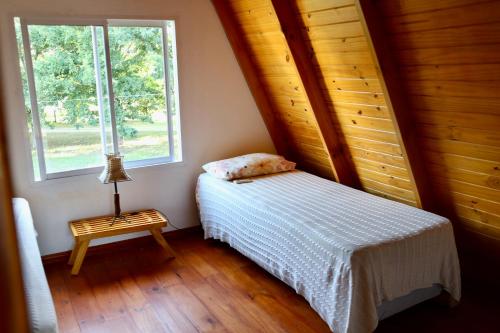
(114, 172)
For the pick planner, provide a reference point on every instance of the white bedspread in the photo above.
(344, 250)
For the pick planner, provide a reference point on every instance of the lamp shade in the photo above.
(113, 170)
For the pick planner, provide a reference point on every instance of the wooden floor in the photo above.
(210, 287)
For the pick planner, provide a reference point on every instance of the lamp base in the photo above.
(118, 210)
(119, 218)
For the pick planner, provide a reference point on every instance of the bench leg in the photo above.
(160, 240)
(80, 254)
(71, 260)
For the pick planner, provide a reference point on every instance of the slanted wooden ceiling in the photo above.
(398, 98)
(448, 54)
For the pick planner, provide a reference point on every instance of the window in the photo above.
(96, 87)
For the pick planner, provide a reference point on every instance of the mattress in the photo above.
(344, 250)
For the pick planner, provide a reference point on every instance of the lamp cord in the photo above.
(170, 223)
(174, 226)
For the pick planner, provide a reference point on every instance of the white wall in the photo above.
(219, 118)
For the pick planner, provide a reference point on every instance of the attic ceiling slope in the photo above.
(234, 35)
(448, 56)
(344, 109)
(354, 90)
(272, 64)
(397, 106)
(331, 137)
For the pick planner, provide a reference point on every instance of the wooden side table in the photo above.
(98, 227)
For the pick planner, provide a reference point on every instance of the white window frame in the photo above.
(105, 24)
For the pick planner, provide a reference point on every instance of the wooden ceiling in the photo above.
(398, 98)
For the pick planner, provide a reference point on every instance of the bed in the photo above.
(355, 257)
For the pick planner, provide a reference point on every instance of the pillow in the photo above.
(248, 166)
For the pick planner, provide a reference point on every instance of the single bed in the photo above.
(356, 258)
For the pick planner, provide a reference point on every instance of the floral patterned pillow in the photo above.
(248, 166)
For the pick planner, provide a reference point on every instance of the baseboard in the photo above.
(120, 245)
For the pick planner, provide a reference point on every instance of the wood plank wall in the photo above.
(449, 57)
(275, 65)
(351, 87)
(448, 54)
(353, 90)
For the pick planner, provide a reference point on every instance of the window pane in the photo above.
(139, 88)
(65, 82)
(27, 101)
(174, 89)
(72, 98)
(103, 81)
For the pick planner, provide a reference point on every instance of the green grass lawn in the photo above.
(68, 149)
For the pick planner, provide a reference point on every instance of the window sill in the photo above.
(75, 175)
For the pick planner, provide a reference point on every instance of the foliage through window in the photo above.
(98, 87)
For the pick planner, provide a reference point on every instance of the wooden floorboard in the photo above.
(210, 287)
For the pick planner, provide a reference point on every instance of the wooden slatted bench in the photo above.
(85, 230)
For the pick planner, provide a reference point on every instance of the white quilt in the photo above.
(344, 250)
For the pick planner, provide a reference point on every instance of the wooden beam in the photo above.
(397, 105)
(340, 162)
(242, 53)
(12, 302)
